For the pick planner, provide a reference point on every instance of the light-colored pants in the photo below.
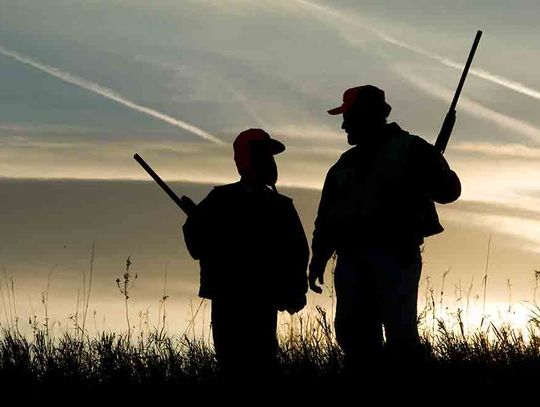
(377, 288)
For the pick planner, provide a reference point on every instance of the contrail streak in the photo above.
(480, 73)
(108, 93)
(242, 100)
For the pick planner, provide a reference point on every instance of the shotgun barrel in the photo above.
(184, 203)
(450, 119)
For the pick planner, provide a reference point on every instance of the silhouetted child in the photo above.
(253, 257)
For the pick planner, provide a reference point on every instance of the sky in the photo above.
(88, 83)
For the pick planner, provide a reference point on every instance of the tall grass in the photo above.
(308, 353)
(487, 355)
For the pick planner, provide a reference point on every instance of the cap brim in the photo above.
(276, 147)
(272, 145)
(336, 110)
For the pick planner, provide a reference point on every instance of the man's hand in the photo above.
(292, 305)
(316, 272)
(297, 305)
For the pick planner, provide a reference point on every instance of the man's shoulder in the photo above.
(278, 197)
(227, 188)
(418, 144)
(224, 192)
(394, 130)
(346, 158)
(284, 198)
(421, 148)
(236, 188)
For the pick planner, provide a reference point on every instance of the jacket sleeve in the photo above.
(440, 182)
(196, 228)
(298, 249)
(323, 244)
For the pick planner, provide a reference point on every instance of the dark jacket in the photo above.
(383, 194)
(250, 243)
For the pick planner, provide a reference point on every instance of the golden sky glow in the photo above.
(210, 69)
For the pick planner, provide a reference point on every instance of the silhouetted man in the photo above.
(253, 256)
(376, 208)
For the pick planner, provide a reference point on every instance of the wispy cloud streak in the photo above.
(480, 73)
(109, 94)
(499, 150)
(248, 107)
(475, 108)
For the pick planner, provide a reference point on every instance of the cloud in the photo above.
(248, 106)
(244, 7)
(64, 158)
(472, 107)
(498, 150)
(109, 94)
(480, 73)
(497, 209)
(510, 225)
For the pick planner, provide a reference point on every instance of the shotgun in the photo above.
(184, 203)
(450, 119)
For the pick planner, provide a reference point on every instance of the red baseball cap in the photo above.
(244, 142)
(366, 97)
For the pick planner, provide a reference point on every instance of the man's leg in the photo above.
(224, 337)
(399, 278)
(260, 334)
(244, 334)
(358, 324)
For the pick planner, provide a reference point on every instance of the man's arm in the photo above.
(297, 254)
(300, 248)
(323, 244)
(196, 228)
(441, 183)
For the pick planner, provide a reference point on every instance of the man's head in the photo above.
(254, 152)
(364, 112)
